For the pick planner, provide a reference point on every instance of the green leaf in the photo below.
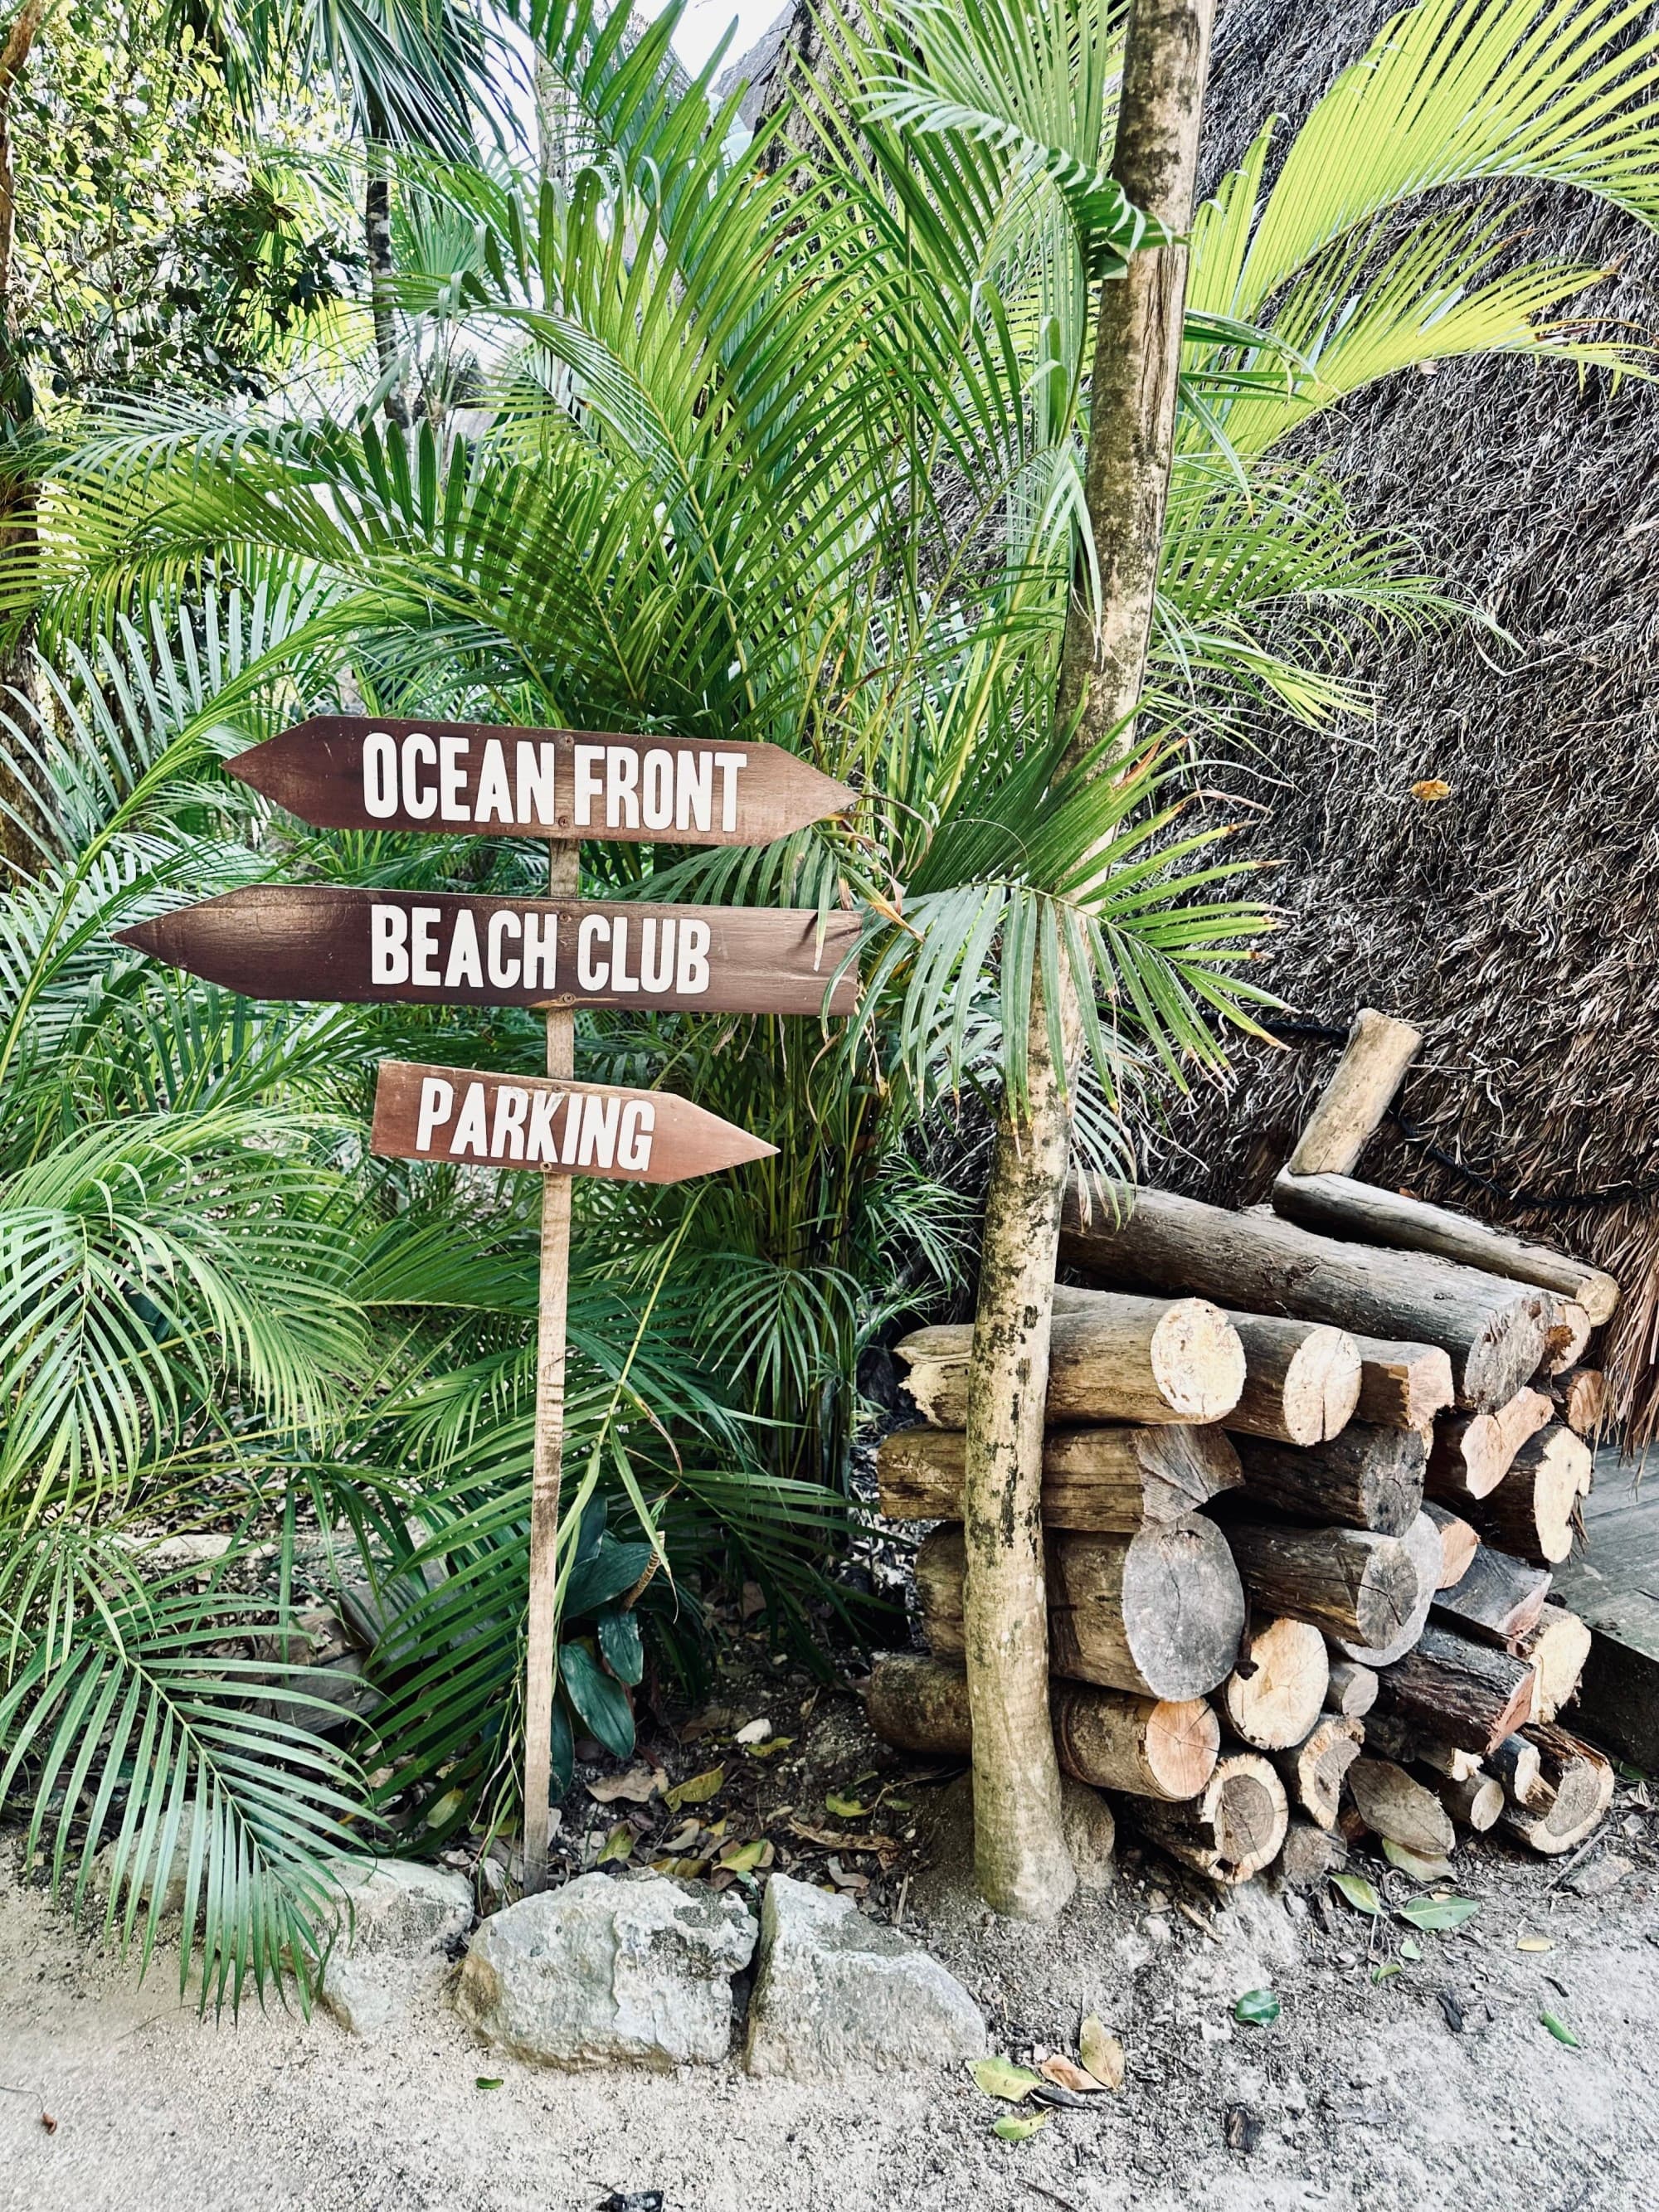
(1000, 2077)
(1438, 1914)
(601, 1705)
(845, 1809)
(1559, 2028)
(1410, 1949)
(1419, 1869)
(487, 2082)
(1387, 1971)
(746, 1857)
(617, 1847)
(1016, 2127)
(1359, 1893)
(620, 1644)
(698, 1790)
(1257, 2009)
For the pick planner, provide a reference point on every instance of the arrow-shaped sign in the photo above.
(349, 771)
(323, 941)
(475, 1120)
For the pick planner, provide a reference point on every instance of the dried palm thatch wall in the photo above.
(1517, 921)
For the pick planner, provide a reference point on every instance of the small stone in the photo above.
(1601, 1876)
(636, 1971)
(1157, 1901)
(833, 1991)
(392, 1951)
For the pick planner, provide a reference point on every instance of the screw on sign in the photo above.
(473, 1120)
(323, 941)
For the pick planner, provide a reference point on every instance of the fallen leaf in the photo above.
(1241, 2129)
(1000, 2077)
(844, 1878)
(1452, 2009)
(844, 1809)
(683, 1870)
(1067, 2076)
(445, 1808)
(1257, 2009)
(638, 1786)
(743, 1858)
(1419, 1869)
(898, 1804)
(1012, 2129)
(1438, 1914)
(487, 2080)
(1410, 1949)
(770, 1750)
(1430, 789)
(1101, 2053)
(753, 1732)
(1359, 1893)
(1559, 2028)
(1535, 1943)
(617, 1846)
(684, 1837)
(837, 1839)
(697, 1791)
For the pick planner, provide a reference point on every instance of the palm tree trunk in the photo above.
(382, 296)
(18, 491)
(1019, 1848)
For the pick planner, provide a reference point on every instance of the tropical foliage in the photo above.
(779, 441)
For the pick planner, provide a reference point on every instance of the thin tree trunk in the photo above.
(382, 292)
(1020, 1854)
(18, 492)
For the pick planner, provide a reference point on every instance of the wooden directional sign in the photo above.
(321, 941)
(474, 1120)
(350, 772)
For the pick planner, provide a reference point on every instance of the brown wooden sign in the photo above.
(474, 1120)
(350, 772)
(322, 941)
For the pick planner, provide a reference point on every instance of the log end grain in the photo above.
(1198, 1361)
(1274, 1696)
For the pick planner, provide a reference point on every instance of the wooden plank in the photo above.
(471, 1119)
(323, 941)
(1613, 1587)
(353, 772)
(1350, 1107)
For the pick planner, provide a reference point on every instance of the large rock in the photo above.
(636, 1970)
(835, 1990)
(399, 1923)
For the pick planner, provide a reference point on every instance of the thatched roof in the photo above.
(1511, 921)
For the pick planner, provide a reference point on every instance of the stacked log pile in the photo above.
(1307, 1473)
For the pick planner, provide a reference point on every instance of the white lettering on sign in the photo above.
(663, 788)
(599, 1131)
(428, 777)
(620, 954)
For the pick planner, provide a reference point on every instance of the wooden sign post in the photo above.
(322, 941)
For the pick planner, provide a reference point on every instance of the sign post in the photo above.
(321, 941)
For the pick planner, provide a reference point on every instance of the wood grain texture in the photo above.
(1350, 1107)
(324, 941)
(470, 1118)
(354, 772)
(1104, 1482)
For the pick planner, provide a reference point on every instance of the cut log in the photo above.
(1582, 1394)
(1352, 1688)
(1402, 1386)
(1465, 1693)
(1102, 1481)
(920, 1705)
(1309, 1856)
(1301, 1379)
(1394, 1735)
(1143, 1747)
(1568, 1338)
(1531, 1511)
(1232, 1831)
(1471, 1458)
(1351, 1582)
(1515, 1763)
(1494, 1330)
(1392, 1805)
(1580, 1785)
(1350, 1109)
(1312, 1771)
(1499, 1601)
(1126, 1359)
(1557, 1647)
(1477, 1801)
(1422, 1543)
(1339, 1206)
(940, 1570)
(1273, 1696)
(1160, 1613)
(1366, 1477)
(1458, 1546)
(1136, 1745)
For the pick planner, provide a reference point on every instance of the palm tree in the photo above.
(785, 446)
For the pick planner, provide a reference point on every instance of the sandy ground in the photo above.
(1364, 2093)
